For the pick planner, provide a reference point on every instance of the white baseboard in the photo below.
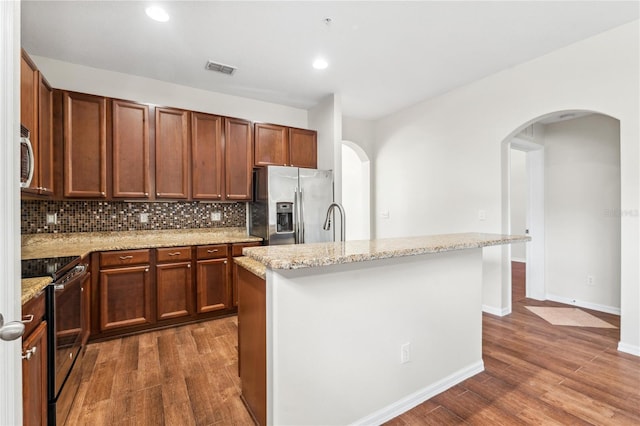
(499, 312)
(630, 349)
(407, 403)
(582, 304)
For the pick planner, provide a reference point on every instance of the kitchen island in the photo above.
(361, 331)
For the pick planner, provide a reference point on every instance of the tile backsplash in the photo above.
(96, 216)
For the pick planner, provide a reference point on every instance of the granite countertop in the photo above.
(82, 243)
(35, 246)
(323, 254)
(253, 266)
(32, 286)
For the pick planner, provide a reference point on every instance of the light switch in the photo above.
(384, 214)
(144, 217)
(482, 215)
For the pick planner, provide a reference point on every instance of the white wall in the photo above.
(582, 218)
(518, 200)
(442, 160)
(65, 75)
(360, 132)
(326, 118)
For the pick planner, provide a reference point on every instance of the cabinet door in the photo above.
(212, 283)
(85, 145)
(174, 290)
(206, 154)
(172, 153)
(125, 297)
(34, 377)
(130, 150)
(238, 159)
(45, 137)
(303, 148)
(29, 107)
(271, 145)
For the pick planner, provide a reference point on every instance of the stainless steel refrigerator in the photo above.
(290, 205)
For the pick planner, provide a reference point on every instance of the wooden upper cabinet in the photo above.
(303, 148)
(172, 153)
(130, 171)
(85, 145)
(207, 158)
(45, 137)
(29, 107)
(271, 145)
(238, 159)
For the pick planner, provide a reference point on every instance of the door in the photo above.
(172, 153)
(206, 156)
(282, 186)
(316, 194)
(130, 150)
(85, 145)
(10, 400)
(238, 160)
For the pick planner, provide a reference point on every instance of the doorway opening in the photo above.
(356, 190)
(564, 189)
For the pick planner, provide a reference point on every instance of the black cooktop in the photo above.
(53, 267)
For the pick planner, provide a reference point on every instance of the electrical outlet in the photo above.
(144, 217)
(216, 216)
(405, 353)
(52, 218)
(590, 280)
(384, 214)
(482, 215)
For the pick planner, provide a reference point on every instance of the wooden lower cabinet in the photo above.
(212, 283)
(34, 377)
(174, 290)
(236, 250)
(125, 297)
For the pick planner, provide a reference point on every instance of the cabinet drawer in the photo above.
(173, 254)
(236, 250)
(213, 252)
(33, 307)
(125, 257)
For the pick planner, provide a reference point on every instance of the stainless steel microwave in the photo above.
(27, 162)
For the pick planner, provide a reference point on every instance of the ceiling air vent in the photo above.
(224, 69)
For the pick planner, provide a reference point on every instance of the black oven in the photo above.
(64, 317)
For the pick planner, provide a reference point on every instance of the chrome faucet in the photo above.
(327, 221)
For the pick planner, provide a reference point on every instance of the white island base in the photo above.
(334, 336)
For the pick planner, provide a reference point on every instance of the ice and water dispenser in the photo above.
(284, 220)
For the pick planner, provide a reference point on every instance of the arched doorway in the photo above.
(573, 208)
(356, 191)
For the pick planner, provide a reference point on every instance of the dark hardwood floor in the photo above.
(535, 374)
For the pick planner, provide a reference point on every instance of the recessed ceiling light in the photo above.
(320, 64)
(157, 13)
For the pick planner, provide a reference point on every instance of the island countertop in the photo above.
(324, 254)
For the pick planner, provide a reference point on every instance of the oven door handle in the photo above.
(75, 274)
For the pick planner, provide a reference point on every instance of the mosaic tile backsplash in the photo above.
(97, 216)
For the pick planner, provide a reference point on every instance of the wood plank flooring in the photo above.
(535, 374)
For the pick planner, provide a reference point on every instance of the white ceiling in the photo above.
(383, 56)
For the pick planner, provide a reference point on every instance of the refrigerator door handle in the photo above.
(296, 227)
(301, 217)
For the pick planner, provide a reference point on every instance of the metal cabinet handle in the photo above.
(189, 266)
(26, 319)
(146, 194)
(126, 257)
(29, 353)
(225, 262)
(146, 269)
(174, 254)
(212, 251)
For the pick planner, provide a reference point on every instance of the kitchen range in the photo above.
(64, 316)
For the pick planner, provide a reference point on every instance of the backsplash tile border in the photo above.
(98, 216)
